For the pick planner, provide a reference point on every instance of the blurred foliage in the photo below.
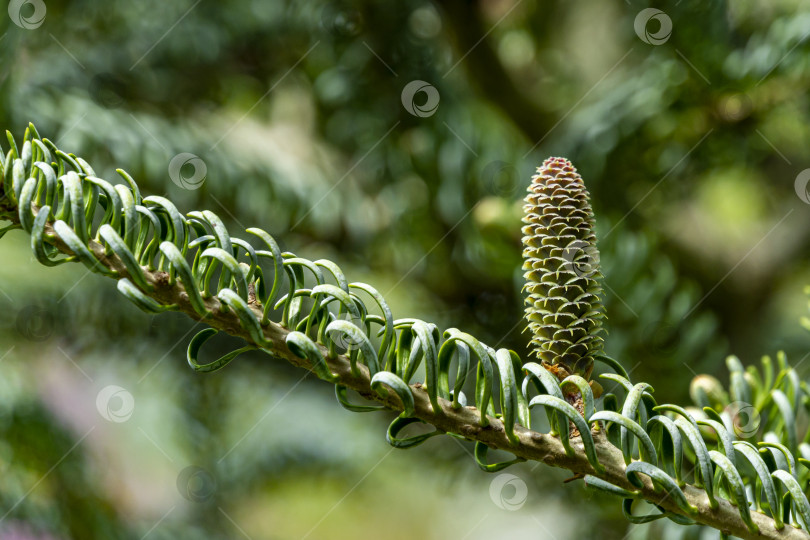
(689, 148)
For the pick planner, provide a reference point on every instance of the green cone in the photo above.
(561, 265)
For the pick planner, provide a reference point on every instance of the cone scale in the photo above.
(561, 267)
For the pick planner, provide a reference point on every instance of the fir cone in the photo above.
(561, 265)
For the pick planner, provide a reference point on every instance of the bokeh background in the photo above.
(689, 124)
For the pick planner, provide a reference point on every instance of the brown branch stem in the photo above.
(464, 421)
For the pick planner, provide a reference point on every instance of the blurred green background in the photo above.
(689, 125)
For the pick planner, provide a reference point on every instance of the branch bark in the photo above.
(532, 445)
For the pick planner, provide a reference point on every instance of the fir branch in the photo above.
(145, 244)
